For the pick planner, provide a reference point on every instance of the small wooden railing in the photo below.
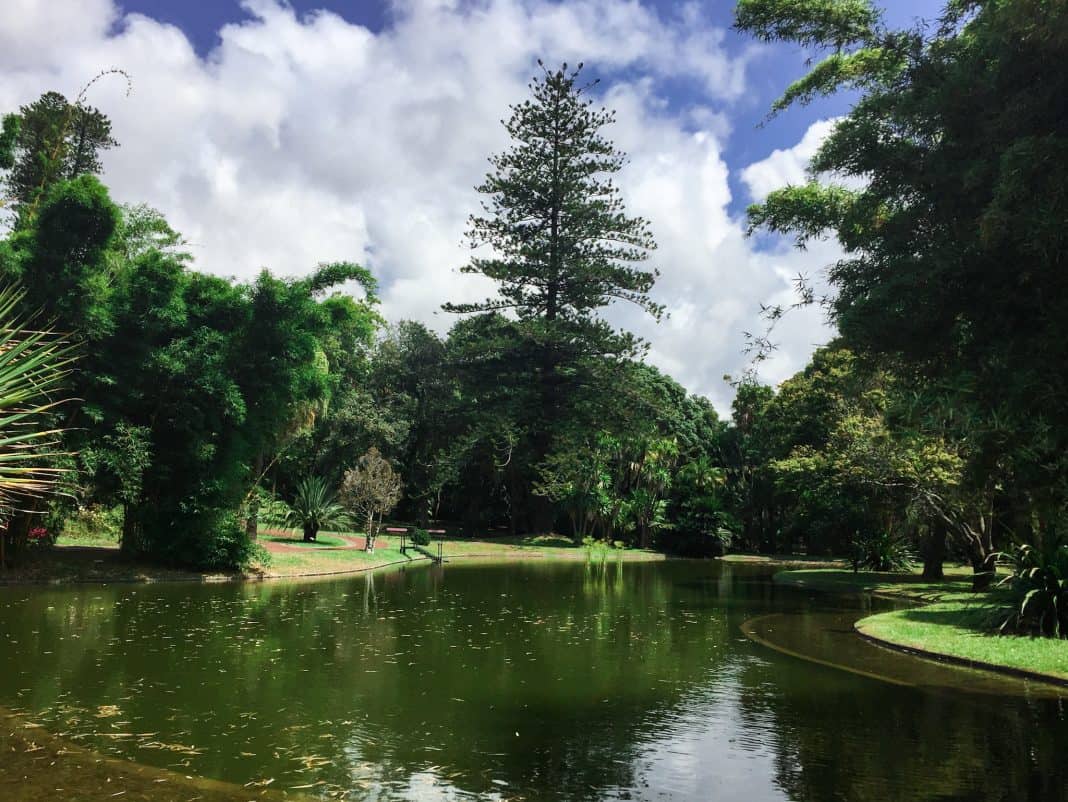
(426, 552)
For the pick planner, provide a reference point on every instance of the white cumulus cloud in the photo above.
(787, 165)
(304, 139)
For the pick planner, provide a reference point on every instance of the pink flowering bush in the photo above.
(39, 537)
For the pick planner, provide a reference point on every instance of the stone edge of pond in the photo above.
(782, 578)
(952, 659)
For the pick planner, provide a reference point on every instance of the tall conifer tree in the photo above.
(562, 245)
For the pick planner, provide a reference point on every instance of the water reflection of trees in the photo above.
(551, 684)
(377, 678)
(842, 737)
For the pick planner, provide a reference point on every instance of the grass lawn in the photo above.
(94, 540)
(329, 561)
(963, 629)
(950, 621)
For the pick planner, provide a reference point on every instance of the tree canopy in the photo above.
(952, 223)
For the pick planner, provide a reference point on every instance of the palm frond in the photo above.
(34, 365)
(316, 504)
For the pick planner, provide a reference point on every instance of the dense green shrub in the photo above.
(216, 541)
(695, 543)
(271, 511)
(1039, 581)
(420, 537)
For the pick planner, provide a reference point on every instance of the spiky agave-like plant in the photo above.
(315, 507)
(33, 367)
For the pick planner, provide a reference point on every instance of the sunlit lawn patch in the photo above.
(964, 629)
(99, 541)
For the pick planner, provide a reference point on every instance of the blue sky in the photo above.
(282, 135)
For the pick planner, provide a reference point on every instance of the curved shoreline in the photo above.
(951, 659)
(916, 601)
(518, 554)
(747, 628)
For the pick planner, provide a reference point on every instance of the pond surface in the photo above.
(534, 681)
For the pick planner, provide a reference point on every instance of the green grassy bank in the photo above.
(96, 558)
(948, 621)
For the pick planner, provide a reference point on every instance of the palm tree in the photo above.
(33, 366)
(315, 507)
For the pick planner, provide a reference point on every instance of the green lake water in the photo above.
(534, 681)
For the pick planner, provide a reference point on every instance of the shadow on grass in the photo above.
(981, 614)
(555, 541)
(298, 540)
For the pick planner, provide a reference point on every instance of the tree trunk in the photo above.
(15, 534)
(131, 541)
(983, 556)
(983, 571)
(311, 532)
(515, 496)
(18, 530)
(252, 523)
(934, 551)
(645, 534)
(369, 544)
